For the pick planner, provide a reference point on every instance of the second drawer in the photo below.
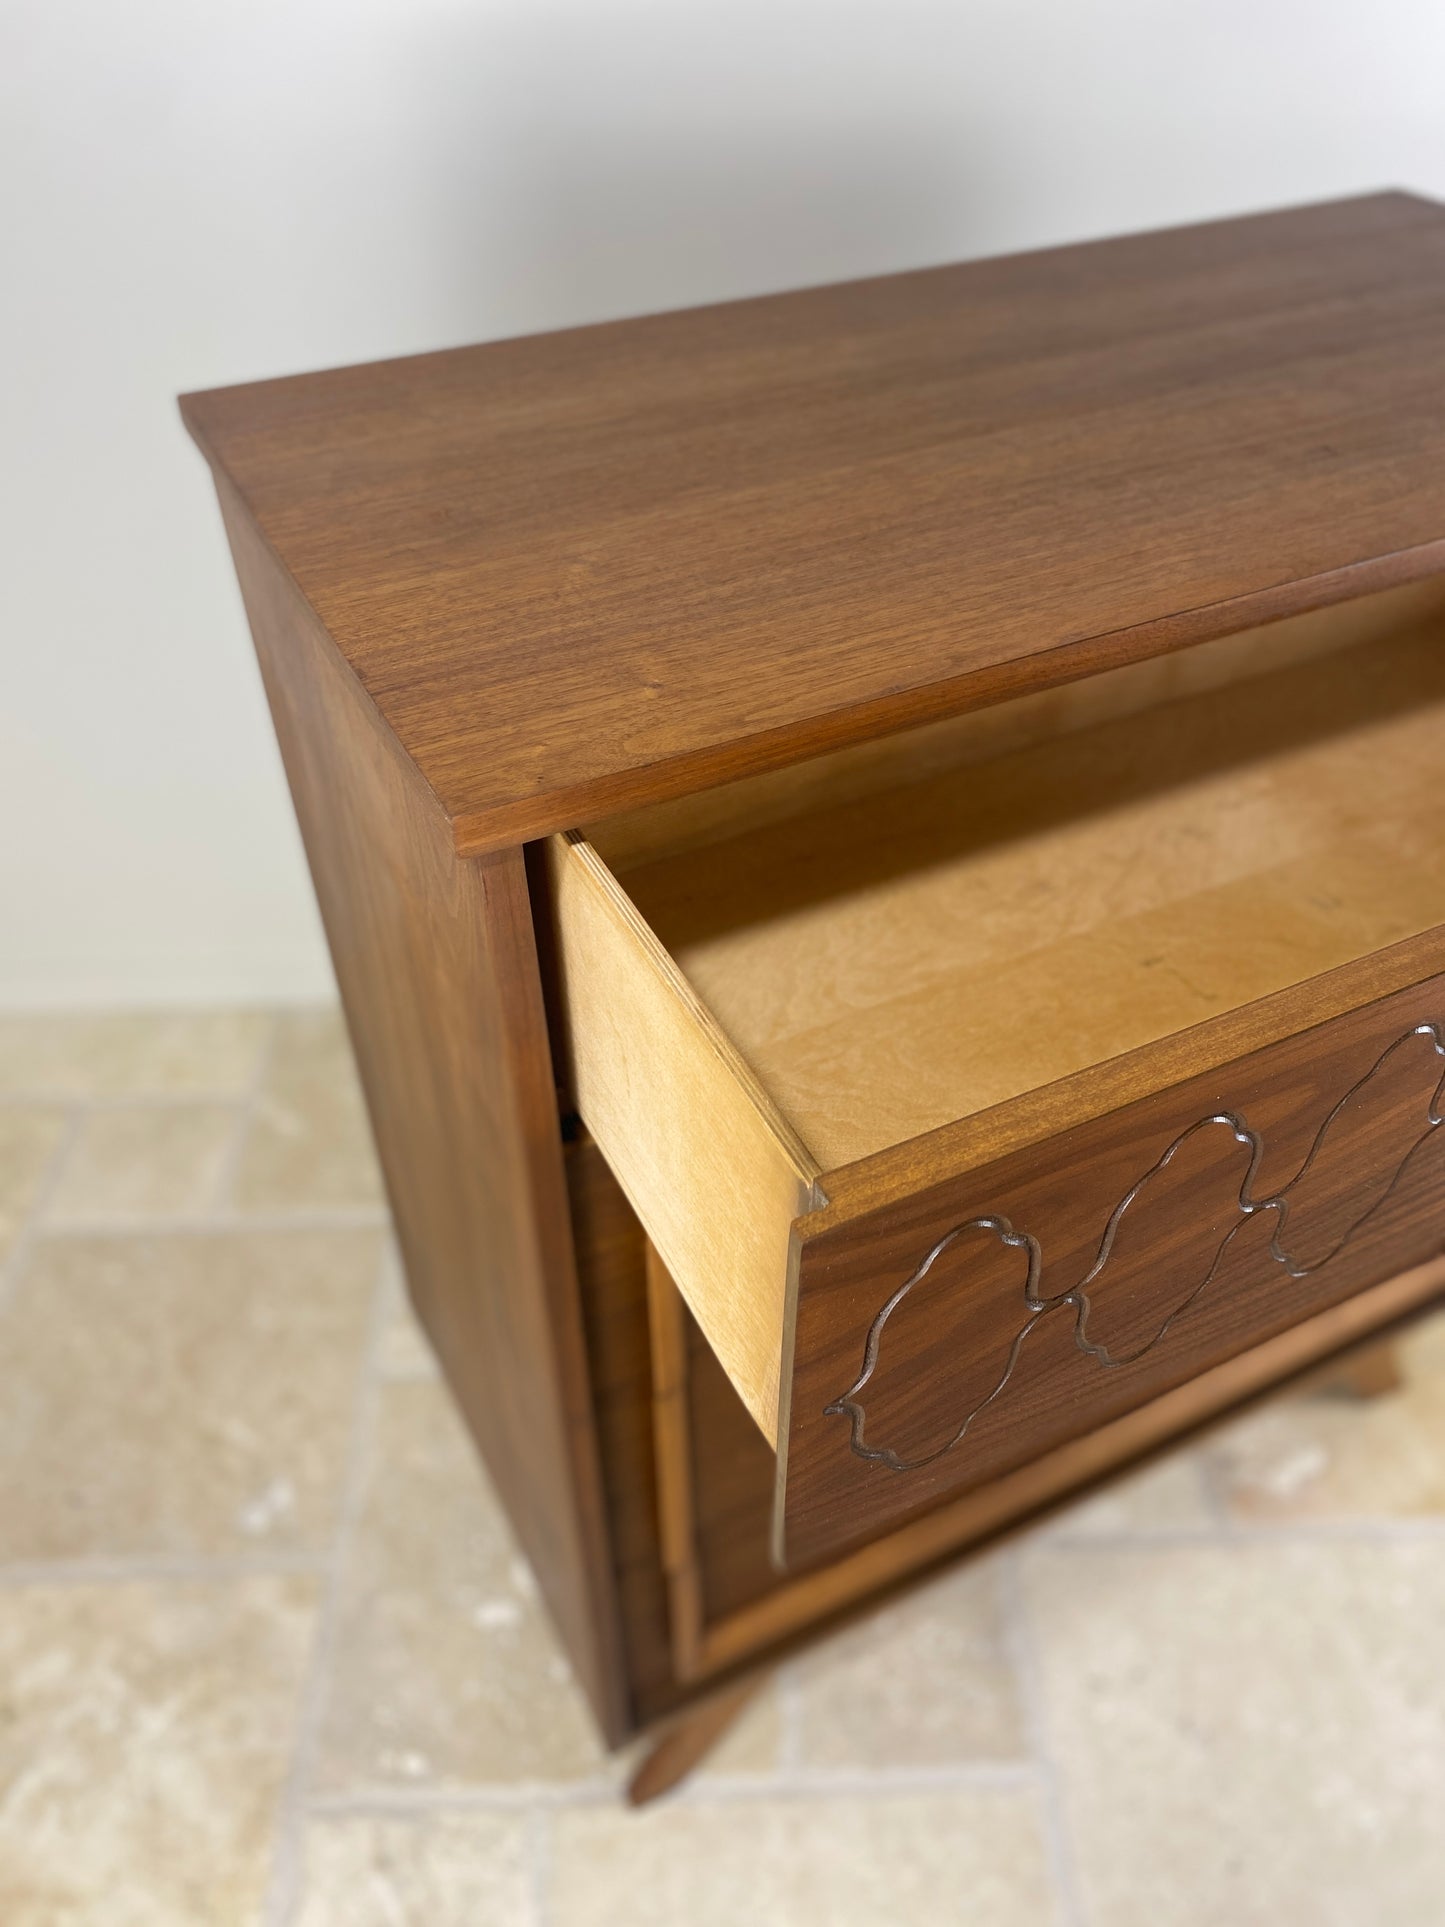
(980, 1084)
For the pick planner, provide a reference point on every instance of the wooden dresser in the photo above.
(884, 850)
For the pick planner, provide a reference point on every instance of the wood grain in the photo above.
(438, 975)
(786, 1609)
(635, 838)
(610, 1248)
(592, 569)
(970, 1327)
(744, 1607)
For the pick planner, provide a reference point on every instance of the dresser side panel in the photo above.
(436, 961)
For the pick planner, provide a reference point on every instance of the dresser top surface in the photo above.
(581, 571)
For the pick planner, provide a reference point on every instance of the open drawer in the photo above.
(980, 1084)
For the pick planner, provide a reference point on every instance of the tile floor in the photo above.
(267, 1654)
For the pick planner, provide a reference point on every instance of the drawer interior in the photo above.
(788, 976)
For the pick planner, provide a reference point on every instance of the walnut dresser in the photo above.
(884, 850)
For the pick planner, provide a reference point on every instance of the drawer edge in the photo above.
(711, 1169)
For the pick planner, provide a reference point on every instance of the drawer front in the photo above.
(952, 1335)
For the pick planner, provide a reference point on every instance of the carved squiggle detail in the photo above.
(849, 1406)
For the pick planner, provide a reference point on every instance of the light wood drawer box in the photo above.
(980, 1084)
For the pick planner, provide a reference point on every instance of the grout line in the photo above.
(539, 1864)
(342, 1218)
(505, 1796)
(709, 1789)
(1020, 1635)
(223, 1190)
(828, 1782)
(789, 1688)
(284, 1886)
(31, 1224)
(99, 1572)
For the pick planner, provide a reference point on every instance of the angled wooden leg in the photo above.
(1369, 1374)
(687, 1740)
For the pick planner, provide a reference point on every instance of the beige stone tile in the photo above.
(447, 1673)
(970, 1856)
(144, 1161)
(1168, 1497)
(1329, 1456)
(309, 1144)
(1248, 1734)
(131, 1053)
(29, 1140)
(434, 1870)
(926, 1682)
(145, 1731)
(188, 1394)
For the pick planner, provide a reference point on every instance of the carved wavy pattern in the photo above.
(1285, 1244)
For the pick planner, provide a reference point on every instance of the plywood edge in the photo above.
(711, 1168)
(853, 1190)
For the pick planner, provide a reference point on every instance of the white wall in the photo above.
(205, 191)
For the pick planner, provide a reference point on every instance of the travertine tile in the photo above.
(190, 1394)
(309, 1144)
(436, 1870)
(144, 1161)
(29, 1139)
(1168, 1497)
(447, 1672)
(208, 1053)
(926, 1682)
(1248, 1734)
(144, 1736)
(971, 1856)
(1333, 1457)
